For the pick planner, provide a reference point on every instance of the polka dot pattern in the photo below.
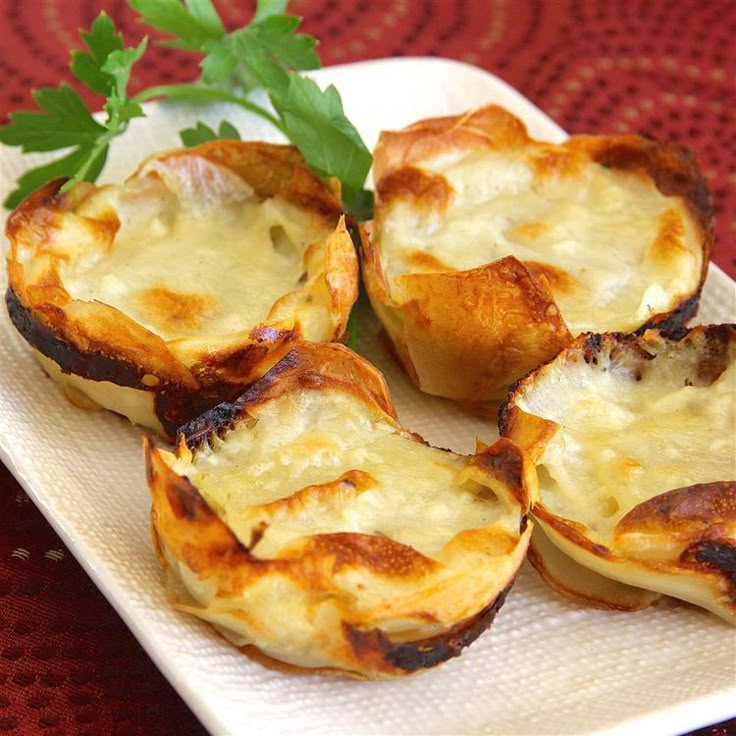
(68, 665)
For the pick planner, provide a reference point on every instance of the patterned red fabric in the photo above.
(68, 665)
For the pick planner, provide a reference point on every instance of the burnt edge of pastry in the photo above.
(420, 654)
(674, 170)
(717, 337)
(295, 369)
(174, 404)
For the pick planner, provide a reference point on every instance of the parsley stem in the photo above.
(197, 93)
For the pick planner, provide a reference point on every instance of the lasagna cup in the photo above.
(633, 437)
(490, 250)
(313, 530)
(162, 296)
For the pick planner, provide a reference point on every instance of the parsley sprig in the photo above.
(65, 121)
(267, 54)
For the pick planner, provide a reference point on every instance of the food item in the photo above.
(489, 250)
(634, 441)
(166, 295)
(310, 117)
(304, 521)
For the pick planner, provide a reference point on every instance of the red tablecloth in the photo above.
(666, 68)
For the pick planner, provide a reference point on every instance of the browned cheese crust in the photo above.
(335, 598)
(467, 333)
(51, 231)
(658, 409)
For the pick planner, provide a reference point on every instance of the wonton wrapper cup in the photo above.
(303, 521)
(168, 294)
(484, 259)
(634, 438)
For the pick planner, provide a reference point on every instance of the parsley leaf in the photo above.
(192, 23)
(101, 40)
(265, 8)
(202, 133)
(315, 122)
(64, 121)
(268, 53)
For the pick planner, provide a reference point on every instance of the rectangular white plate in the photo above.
(545, 666)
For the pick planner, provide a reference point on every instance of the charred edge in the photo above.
(672, 325)
(424, 653)
(174, 404)
(93, 365)
(177, 407)
(353, 227)
(504, 410)
(715, 356)
(505, 465)
(672, 167)
(720, 556)
(186, 501)
(215, 420)
(592, 348)
(218, 419)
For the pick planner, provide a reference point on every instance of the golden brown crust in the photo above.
(487, 127)
(272, 170)
(509, 321)
(309, 366)
(446, 318)
(342, 578)
(96, 341)
(681, 541)
(578, 583)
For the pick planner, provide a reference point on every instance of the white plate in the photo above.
(545, 666)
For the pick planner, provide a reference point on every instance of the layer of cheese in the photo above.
(603, 228)
(413, 495)
(188, 268)
(622, 442)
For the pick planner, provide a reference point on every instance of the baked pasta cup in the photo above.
(167, 294)
(633, 437)
(303, 521)
(489, 250)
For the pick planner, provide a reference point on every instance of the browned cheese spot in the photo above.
(424, 261)
(556, 161)
(379, 554)
(173, 310)
(670, 234)
(553, 278)
(527, 231)
(424, 191)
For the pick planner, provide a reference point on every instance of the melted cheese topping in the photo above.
(183, 269)
(413, 495)
(603, 228)
(621, 442)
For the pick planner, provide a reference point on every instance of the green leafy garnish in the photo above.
(267, 54)
(191, 24)
(66, 122)
(315, 122)
(202, 133)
